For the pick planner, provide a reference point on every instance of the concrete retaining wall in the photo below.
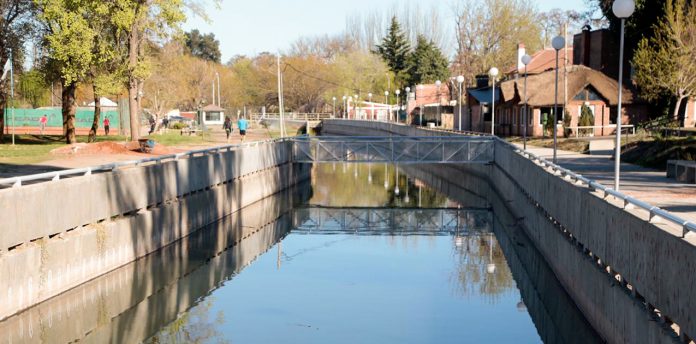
(650, 262)
(133, 302)
(134, 212)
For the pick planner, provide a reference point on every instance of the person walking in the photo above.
(152, 125)
(106, 125)
(228, 127)
(242, 124)
(42, 124)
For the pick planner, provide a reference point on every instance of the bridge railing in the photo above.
(291, 116)
(394, 149)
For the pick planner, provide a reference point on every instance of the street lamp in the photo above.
(350, 99)
(557, 43)
(357, 107)
(386, 102)
(398, 103)
(460, 81)
(345, 106)
(420, 107)
(408, 98)
(438, 83)
(372, 106)
(334, 108)
(526, 59)
(622, 9)
(218, 88)
(493, 72)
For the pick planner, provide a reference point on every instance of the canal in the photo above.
(360, 253)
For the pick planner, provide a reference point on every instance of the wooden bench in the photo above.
(682, 170)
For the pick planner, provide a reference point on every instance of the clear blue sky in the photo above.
(252, 26)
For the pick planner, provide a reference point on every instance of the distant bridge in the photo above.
(394, 221)
(394, 149)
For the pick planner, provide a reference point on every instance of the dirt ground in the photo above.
(100, 153)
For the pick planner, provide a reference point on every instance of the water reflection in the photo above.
(373, 254)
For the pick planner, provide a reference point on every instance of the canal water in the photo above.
(361, 254)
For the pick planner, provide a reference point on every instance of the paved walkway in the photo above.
(646, 184)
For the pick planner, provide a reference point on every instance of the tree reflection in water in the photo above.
(193, 326)
(478, 270)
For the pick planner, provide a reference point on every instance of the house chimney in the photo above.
(520, 52)
(482, 80)
(586, 39)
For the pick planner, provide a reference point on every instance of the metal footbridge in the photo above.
(394, 149)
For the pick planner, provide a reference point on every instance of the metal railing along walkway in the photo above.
(394, 149)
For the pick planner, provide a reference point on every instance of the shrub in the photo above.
(567, 118)
(586, 119)
(178, 125)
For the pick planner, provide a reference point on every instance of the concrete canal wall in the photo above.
(646, 264)
(134, 302)
(59, 234)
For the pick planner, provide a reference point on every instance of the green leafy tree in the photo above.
(427, 63)
(16, 25)
(665, 63)
(203, 46)
(34, 88)
(69, 40)
(141, 20)
(395, 50)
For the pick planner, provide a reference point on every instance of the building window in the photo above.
(212, 116)
(587, 94)
(612, 115)
(486, 110)
(547, 112)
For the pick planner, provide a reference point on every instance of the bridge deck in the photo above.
(394, 149)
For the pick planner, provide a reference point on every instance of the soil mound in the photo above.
(92, 148)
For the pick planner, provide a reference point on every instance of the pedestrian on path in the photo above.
(228, 127)
(242, 124)
(42, 124)
(106, 125)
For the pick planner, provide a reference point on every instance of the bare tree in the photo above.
(488, 32)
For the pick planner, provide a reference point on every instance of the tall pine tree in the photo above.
(427, 63)
(395, 50)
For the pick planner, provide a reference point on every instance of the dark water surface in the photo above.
(362, 254)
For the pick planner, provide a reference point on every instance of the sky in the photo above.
(248, 27)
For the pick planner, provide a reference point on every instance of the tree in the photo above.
(395, 50)
(16, 26)
(427, 63)
(665, 62)
(34, 88)
(586, 118)
(69, 40)
(553, 23)
(140, 20)
(203, 46)
(488, 32)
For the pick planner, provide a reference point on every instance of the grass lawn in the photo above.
(654, 153)
(29, 149)
(174, 138)
(573, 145)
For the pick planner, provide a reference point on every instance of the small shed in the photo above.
(213, 114)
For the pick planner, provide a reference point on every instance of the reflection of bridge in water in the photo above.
(394, 221)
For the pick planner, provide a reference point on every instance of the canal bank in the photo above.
(62, 233)
(647, 263)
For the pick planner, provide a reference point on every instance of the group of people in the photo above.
(242, 125)
(43, 121)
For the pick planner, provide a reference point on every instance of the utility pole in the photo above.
(280, 98)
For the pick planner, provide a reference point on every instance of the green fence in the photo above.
(83, 118)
